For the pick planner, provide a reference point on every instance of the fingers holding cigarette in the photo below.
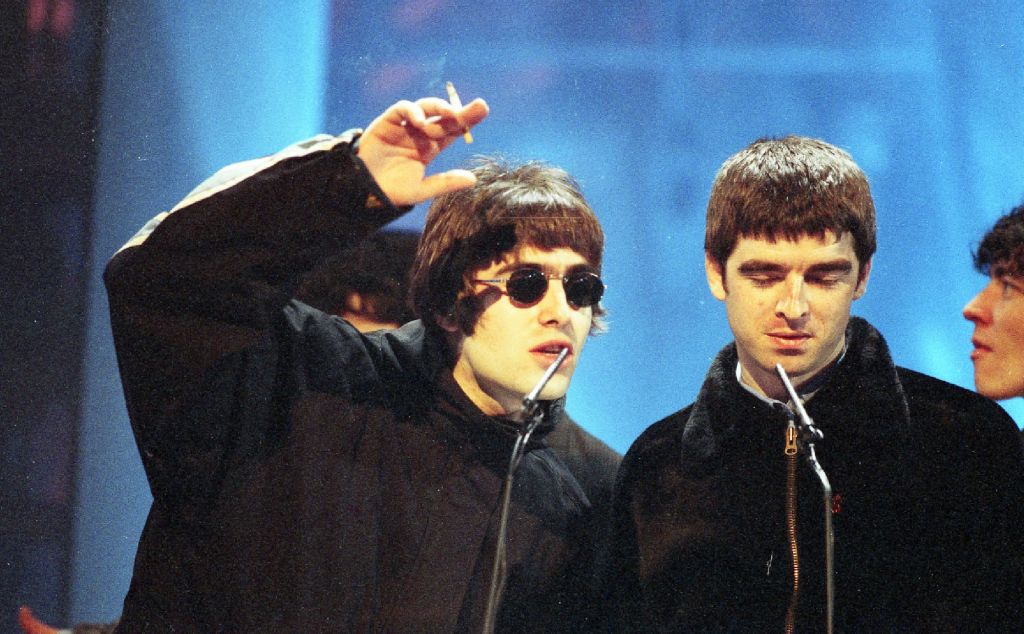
(438, 118)
(399, 144)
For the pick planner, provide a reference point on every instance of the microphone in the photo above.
(810, 433)
(530, 404)
(530, 418)
(808, 436)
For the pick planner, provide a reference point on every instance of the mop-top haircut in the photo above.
(788, 188)
(511, 206)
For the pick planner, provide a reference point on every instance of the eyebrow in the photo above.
(580, 267)
(841, 267)
(754, 267)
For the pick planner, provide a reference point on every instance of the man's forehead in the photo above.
(529, 254)
(559, 260)
(826, 236)
(804, 247)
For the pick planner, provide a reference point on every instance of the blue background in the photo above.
(640, 101)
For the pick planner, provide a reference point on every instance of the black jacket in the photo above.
(928, 479)
(306, 477)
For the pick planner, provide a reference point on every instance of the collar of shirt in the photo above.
(805, 391)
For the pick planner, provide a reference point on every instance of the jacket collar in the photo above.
(493, 438)
(415, 347)
(861, 399)
(864, 392)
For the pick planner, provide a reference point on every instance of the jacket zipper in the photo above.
(791, 451)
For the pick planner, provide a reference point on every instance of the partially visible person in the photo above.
(997, 312)
(367, 284)
(718, 520)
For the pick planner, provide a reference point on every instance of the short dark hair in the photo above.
(377, 269)
(787, 188)
(1003, 245)
(510, 206)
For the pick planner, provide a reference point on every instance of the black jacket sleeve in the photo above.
(619, 578)
(622, 578)
(198, 294)
(970, 538)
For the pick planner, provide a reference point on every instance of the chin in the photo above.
(999, 392)
(555, 389)
(795, 368)
(792, 362)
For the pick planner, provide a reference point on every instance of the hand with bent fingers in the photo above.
(399, 144)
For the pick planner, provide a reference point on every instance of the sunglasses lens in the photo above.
(584, 289)
(526, 286)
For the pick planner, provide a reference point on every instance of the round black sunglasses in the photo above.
(528, 286)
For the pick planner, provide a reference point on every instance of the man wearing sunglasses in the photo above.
(720, 517)
(309, 477)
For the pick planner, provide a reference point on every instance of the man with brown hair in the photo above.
(719, 527)
(309, 477)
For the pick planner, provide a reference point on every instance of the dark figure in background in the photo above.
(926, 475)
(309, 477)
(368, 284)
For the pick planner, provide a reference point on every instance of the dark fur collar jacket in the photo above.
(927, 482)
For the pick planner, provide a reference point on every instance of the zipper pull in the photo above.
(791, 439)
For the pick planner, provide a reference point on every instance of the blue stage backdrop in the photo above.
(640, 101)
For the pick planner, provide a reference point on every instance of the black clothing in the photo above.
(309, 478)
(928, 484)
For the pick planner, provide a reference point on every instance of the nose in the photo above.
(979, 309)
(793, 304)
(554, 306)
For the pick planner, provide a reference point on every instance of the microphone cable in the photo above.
(531, 417)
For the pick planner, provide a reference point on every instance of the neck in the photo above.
(763, 383)
(768, 384)
(488, 404)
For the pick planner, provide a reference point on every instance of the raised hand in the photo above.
(399, 144)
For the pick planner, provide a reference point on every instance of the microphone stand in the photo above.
(530, 418)
(810, 434)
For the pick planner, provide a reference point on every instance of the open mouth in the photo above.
(979, 349)
(551, 348)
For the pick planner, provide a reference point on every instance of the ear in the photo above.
(862, 283)
(716, 277)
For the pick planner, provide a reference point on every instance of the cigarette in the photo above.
(453, 98)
